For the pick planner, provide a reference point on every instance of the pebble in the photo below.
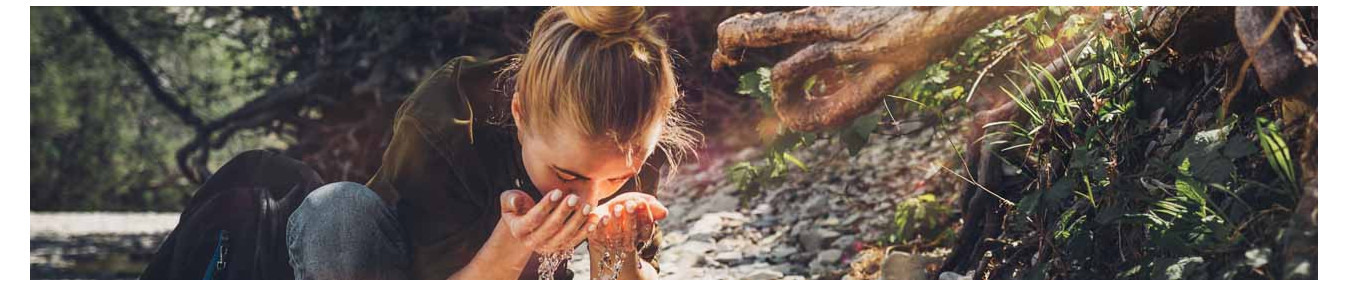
(764, 274)
(828, 257)
(817, 239)
(730, 257)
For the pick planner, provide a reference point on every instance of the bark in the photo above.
(1283, 53)
(861, 53)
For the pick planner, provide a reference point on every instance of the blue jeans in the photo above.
(343, 230)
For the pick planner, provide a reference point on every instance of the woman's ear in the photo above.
(515, 108)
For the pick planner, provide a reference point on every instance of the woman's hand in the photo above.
(627, 217)
(558, 223)
(627, 225)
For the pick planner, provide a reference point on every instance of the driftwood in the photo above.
(860, 52)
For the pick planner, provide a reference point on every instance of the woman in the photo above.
(480, 179)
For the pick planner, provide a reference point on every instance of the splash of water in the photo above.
(617, 249)
(549, 263)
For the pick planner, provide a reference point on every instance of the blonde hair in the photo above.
(605, 71)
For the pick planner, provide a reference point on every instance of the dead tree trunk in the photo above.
(860, 52)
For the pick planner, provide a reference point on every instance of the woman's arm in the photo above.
(501, 258)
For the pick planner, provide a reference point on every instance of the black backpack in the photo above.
(235, 225)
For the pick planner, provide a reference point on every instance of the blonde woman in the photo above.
(482, 179)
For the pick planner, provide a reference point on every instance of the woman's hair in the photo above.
(605, 71)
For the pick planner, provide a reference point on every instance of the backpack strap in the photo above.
(217, 263)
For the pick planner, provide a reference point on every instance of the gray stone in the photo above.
(782, 253)
(817, 204)
(845, 242)
(816, 239)
(828, 257)
(730, 257)
(687, 254)
(954, 276)
(709, 225)
(764, 274)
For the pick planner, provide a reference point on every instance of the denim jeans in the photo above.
(343, 230)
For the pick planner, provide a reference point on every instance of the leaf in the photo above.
(795, 161)
(1190, 188)
(1062, 188)
(809, 84)
(1030, 202)
(749, 84)
(1043, 42)
(938, 76)
(859, 132)
(1207, 160)
(1183, 268)
(1275, 150)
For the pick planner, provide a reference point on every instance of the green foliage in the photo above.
(750, 176)
(1275, 151)
(921, 217)
(98, 140)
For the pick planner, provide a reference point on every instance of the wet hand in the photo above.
(559, 221)
(626, 221)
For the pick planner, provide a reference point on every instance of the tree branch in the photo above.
(121, 47)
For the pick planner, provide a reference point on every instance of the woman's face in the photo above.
(561, 157)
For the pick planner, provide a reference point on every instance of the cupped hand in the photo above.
(626, 220)
(559, 221)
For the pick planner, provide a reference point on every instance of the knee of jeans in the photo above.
(340, 202)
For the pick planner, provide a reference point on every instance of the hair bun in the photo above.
(605, 20)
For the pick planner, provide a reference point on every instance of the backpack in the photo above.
(234, 227)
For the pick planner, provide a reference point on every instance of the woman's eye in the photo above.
(565, 177)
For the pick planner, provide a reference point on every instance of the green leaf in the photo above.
(1276, 151)
(809, 84)
(749, 84)
(1190, 188)
(1043, 42)
(795, 161)
(856, 135)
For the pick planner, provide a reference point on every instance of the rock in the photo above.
(816, 239)
(800, 228)
(781, 253)
(845, 242)
(828, 257)
(764, 274)
(817, 204)
(830, 221)
(730, 257)
(687, 254)
(825, 263)
(851, 219)
(709, 225)
(901, 265)
(954, 276)
(765, 221)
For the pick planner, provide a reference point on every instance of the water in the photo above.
(616, 250)
(547, 266)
